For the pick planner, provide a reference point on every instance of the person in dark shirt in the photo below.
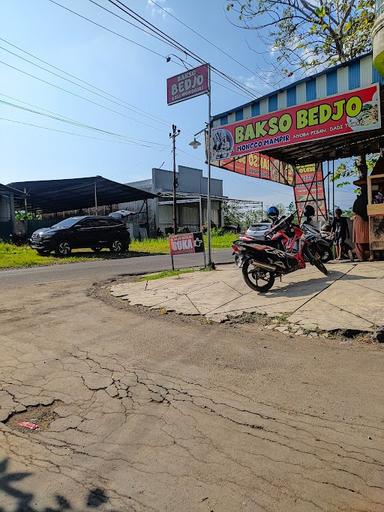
(341, 232)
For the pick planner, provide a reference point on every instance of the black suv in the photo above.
(81, 232)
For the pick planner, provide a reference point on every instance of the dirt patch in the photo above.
(41, 415)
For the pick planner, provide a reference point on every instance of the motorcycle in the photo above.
(324, 245)
(286, 251)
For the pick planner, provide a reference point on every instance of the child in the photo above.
(341, 232)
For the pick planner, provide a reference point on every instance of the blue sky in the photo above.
(130, 73)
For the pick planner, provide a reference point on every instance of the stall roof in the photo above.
(10, 190)
(345, 77)
(51, 196)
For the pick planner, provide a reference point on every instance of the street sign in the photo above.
(187, 85)
(186, 243)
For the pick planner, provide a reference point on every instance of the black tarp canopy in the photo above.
(9, 190)
(50, 196)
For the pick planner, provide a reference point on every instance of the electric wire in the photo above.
(59, 117)
(119, 141)
(118, 101)
(71, 92)
(82, 87)
(140, 45)
(173, 42)
(207, 41)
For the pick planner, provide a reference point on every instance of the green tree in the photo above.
(348, 171)
(306, 34)
(232, 213)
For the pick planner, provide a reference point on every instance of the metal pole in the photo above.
(200, 215)
(173, 135)
(209, 212)
(333, 188)
(329, 190)
(96, 198)
(147, 217)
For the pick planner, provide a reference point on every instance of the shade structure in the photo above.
(50, 196)
(336, 82)
(9, 190)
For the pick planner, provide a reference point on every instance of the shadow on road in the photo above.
(23, 501)
(314, 285)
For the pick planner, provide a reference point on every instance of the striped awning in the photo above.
(354, 74)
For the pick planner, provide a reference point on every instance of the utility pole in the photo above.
(175, 132)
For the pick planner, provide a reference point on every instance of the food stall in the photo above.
(375, 207)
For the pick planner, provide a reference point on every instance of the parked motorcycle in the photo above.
(285, 252)
(324, 245)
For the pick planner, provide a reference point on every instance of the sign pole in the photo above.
(209, 211)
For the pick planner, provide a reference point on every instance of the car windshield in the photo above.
(67, 223)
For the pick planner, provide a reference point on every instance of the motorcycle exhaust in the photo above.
(264, 266)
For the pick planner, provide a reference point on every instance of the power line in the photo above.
(79, 124)
(108, 29)
(207, 40)
(63, 131)
(119, 101)
(65, 90)
(135, 42)
(81, 86)
(175, 44)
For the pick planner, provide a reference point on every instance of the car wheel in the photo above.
(63, 249)
(118, 247)
(96, 249)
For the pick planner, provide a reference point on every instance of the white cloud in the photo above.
(158, 11)
(261, 83)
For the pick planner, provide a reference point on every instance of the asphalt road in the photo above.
(98, 269)
(141, 411)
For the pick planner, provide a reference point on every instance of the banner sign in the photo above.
(257, 165)
(189, 84)
(309, 189)
(340, 114)
(186, 243)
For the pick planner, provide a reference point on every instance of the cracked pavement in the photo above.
(152, 412)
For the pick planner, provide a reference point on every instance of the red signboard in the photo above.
(341, 114)
(309, 189)
(186, 243)
(257, 165)
(189, 84)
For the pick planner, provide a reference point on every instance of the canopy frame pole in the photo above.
(95, 191)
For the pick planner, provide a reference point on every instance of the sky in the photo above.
(34, 147)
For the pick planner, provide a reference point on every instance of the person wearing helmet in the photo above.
(273, 213)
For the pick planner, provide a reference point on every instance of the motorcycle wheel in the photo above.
(327, 255)
(257, 279)
(316, 260)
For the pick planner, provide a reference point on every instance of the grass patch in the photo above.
(161, 245)
(14, 256)
(170, 273)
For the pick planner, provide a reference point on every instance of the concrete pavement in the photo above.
(144, 412)
(350, 297)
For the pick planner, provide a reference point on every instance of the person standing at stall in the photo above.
(360, 221)
(340, 231)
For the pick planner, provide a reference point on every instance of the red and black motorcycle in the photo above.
(285, 250)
